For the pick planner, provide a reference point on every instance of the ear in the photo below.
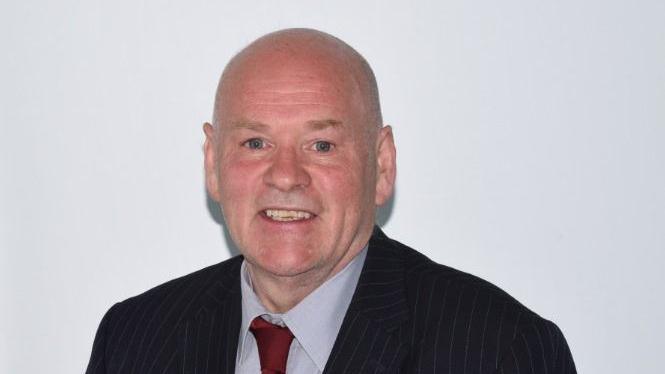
(386, 165)
(210, 162)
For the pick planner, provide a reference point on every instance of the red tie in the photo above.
(273, 342)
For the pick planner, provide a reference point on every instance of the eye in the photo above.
(254, 143)
(323, 146)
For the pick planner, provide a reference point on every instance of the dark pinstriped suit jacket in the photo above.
(408, 315)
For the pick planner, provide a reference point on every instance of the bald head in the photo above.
(307, 54)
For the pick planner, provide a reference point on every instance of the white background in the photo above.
(530, 141)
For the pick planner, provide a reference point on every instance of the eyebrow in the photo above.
(249, 125)
(319, 124)
(324, 124)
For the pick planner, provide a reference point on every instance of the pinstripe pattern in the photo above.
(408, 315)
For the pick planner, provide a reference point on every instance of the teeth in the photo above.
(287, 215)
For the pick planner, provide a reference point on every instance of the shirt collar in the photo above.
(328, 303)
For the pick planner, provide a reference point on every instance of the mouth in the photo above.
(287, 215)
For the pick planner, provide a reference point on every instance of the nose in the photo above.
(286, 171)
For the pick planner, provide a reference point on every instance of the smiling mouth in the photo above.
(282, 215)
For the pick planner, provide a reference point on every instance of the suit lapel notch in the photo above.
(368, 341)
(381, 291)
(209, 339)
(366, 347)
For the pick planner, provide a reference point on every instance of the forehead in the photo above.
(282, 88)
(296, 89)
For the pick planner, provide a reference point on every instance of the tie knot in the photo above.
(273, 342)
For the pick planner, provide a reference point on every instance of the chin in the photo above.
(285, 263)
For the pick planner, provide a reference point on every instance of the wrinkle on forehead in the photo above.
(289, 97)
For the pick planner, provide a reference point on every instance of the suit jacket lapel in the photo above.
(367, 341)
(209, 340)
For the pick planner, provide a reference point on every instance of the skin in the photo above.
(297, 127)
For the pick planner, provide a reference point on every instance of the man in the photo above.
(298, 158)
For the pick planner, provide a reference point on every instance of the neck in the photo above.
(279, 294)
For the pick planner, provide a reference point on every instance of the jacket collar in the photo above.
(366, 342)
(209, 339)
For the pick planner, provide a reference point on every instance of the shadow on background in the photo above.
(216, 214)
(383, 215)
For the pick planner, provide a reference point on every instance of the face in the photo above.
(296, 168)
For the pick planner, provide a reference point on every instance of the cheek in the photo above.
(235, 174)
(345, 188)
(238, 182)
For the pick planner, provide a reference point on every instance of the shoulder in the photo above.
(179, 291)
(179, 295)
(145, 326)
(162, 309)
(469, 319)
(429, 282)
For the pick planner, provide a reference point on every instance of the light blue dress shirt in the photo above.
(314, 322)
